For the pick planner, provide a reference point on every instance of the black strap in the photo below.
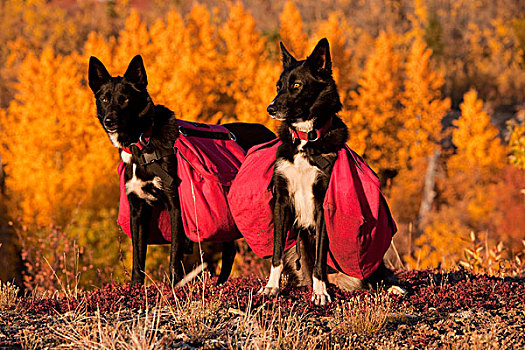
(298, 251)
(167, 179)
(323, 163)
(216, 135)
(148, 158)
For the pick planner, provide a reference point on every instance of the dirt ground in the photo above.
(442, 310)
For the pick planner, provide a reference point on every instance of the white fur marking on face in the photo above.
(125, 156)
(301, 176)
(113, 136)
(274, 281)
(319, 288)
(135, 185)
(306, 126)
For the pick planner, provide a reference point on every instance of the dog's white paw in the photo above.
(397, 290)
(274, 282)
(321, 299)
(269, 291)
(320, 296)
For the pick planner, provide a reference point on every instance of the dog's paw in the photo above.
(320, 296)
(321, 299)
(269, 291)
(397, 290)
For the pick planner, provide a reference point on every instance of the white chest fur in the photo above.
(136, 185)
(301, 177)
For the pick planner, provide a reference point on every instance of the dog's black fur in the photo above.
(126, 111)
(307, 99)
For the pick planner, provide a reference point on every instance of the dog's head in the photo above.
(124, 107)
(306, 90)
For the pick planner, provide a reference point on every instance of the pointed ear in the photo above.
(320, 59)
(288, 59)
(98, 74)
(136, 73)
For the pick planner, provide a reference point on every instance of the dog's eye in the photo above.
(296, 85)
(126, 100)
(104, 99)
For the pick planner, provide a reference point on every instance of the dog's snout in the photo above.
(110, 122)
(272, 109)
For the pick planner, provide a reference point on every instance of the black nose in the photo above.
(110, 123)
(272, 109)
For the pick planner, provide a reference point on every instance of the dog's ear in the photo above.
(136, 73)
(320, 60)
(98, 74)
(288, 59)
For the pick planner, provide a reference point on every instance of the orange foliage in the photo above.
(222, 66)
(475, 137)
(54, 145)
(292, 34)
(423, 108)
(375, 122)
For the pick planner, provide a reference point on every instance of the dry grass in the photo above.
(271, 327)
(364, 314)
(8, 294)
(202, 316)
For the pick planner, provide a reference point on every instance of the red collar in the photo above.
(143, 141)
(313, 135)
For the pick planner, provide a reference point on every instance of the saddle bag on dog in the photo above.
(206, 167)
(358, 220)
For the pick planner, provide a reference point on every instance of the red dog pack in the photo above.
(206, 168)
(358, 221)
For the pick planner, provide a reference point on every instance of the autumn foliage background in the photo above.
(433, 94)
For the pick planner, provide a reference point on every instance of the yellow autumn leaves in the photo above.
(62, 168)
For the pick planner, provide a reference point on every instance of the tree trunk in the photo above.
(428, 190)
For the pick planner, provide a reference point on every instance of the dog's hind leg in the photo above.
(140, 219)
(229, 250)
(178, 242)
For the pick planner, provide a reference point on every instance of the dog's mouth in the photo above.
(278, 116)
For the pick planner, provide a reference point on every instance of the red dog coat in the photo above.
(206, 168)
(358, 221)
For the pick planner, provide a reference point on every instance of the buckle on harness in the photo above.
(148, 158)
(181, 131)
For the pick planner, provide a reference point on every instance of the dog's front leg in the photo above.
(140, 219)
(281, 222)
(320, 294)
(177, 241)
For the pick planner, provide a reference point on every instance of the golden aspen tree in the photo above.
(205, 60)
(376, 116)
(249, 74)
(421, 132)
(476, 138)
(335, 30)
(172, 73)
(442, 242)
(132, 40)
(54, 144)
(423, 106)
(468, 201)
(517, 145)
(292, 35)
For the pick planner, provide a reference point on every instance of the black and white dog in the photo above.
(307, 103)
(126, 111)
